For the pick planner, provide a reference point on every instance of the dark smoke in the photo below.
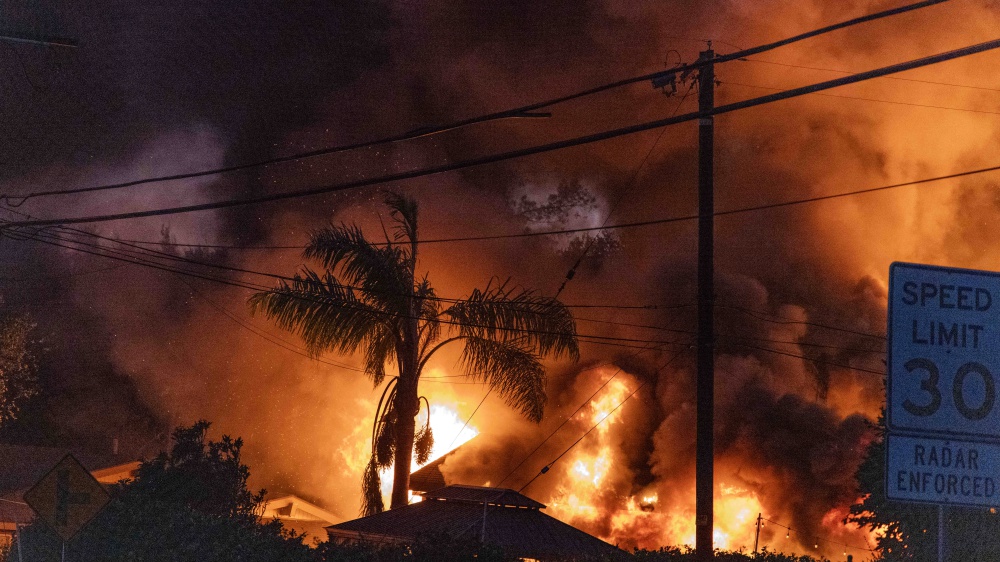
(127, 352)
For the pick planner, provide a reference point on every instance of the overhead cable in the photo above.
(523, 111)
(520, 153)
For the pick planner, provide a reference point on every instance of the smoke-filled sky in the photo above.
(126, 350)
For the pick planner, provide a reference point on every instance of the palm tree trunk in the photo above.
(407, 402)
(406, 422)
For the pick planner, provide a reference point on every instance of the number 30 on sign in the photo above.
(944, 341)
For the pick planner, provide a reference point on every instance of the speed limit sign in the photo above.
(943, 441)
(944, 352)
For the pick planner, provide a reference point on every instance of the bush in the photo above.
(191, 505)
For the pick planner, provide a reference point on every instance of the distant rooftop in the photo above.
(21, 466)
(510, 520)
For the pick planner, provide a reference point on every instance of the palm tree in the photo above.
(370, 300)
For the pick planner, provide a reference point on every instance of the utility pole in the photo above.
(756, 538)
(704, 456)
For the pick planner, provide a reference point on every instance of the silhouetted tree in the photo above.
(370, 299)
(17, 367)
(908, 531)
(190, 505)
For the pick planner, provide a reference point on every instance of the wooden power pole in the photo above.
(704, 456)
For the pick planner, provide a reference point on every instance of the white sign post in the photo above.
(943, 442)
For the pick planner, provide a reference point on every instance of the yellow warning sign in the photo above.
(67, 498)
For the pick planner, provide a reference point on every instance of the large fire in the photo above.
(450, 432)
(800, 289)
(641, 516)
(594, 492)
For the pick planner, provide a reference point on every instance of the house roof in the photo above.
(429, 477)
(517, 526)
(299, 515)
(21, 466)
(290, 506)
(479, 494)
(13, 512)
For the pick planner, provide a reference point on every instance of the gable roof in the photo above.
(292, 507)
(299, 515)
(517, 526)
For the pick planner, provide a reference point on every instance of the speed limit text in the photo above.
(929, 331)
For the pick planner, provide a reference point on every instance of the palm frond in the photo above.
(329, 317)
(371, 491)
(380, 350)
(422, 444)
(539, 323)
(430, 311)
(384, 428)
(382, 273)
(404, 212)
(384, 447)
(423, 441)
(511, 370)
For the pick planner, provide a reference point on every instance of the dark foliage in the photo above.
(189, 505)
(971, 534)
(685, 554)
(17, 367)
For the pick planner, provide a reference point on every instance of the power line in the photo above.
(898, 78)
(585, 338)
(775, 319)
(684, 218)
(126, 256)
(636, 224)
(466, 424)
(132, 258)
(813, 359)
(564, 422)
(523, 111)
(621, 197)
(267, 337)
(877, 100)
(548, 466)
(519, 153)
(733, 337)
(45, 41)
(147, 252)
